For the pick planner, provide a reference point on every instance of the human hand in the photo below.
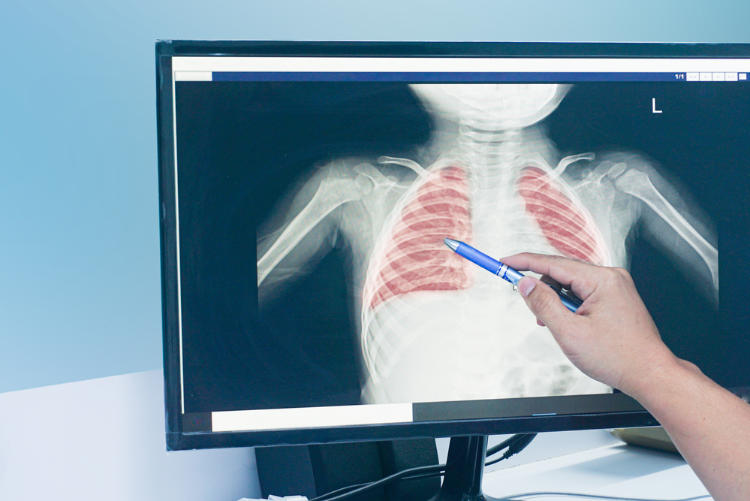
(612, 337)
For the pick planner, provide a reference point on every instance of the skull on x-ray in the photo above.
(495, 106)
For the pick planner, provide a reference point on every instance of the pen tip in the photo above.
(453, 244)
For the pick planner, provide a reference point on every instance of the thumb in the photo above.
(544, 303)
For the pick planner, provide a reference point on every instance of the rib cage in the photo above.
(474, 339)
(415, 258)
(567, 225)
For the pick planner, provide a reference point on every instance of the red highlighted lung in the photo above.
(566, 226)
(416, 259)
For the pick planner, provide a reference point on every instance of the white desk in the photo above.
(609, 467)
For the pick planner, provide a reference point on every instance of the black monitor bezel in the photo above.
(177, 437)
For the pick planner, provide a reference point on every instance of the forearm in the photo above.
(709, 425)
(613, 339)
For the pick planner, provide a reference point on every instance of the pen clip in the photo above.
(562, 291)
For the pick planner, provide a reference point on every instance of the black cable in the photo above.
(341, 490)
(502, 445)
(519, 443)
(359, 488)
(520, 497)
(514, 444)
(425, 475)
(509, 442)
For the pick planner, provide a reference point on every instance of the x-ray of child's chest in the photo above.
(431, 326)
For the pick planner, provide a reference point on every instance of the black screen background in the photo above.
(242, 145)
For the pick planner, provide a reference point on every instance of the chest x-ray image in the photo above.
(430, 326)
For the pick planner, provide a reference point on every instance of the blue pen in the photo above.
(571, 301)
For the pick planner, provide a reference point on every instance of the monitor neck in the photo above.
(463, 470)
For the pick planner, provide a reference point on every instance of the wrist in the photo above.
(657, 374)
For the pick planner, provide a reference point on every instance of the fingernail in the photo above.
(526, 285)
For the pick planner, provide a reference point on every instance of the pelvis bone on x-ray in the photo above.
(431, 326)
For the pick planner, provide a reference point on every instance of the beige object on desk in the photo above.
(653, 438)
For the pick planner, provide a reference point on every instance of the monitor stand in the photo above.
(463, 470)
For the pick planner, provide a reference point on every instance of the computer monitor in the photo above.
(306, 188)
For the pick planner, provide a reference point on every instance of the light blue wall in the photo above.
(79, 250)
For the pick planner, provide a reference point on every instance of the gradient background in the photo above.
(79, 246)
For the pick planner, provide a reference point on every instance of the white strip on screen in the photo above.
(193, 76)
(311, 417)
(177, 243)
(457, 64)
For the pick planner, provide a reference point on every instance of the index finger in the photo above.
(580, 276)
